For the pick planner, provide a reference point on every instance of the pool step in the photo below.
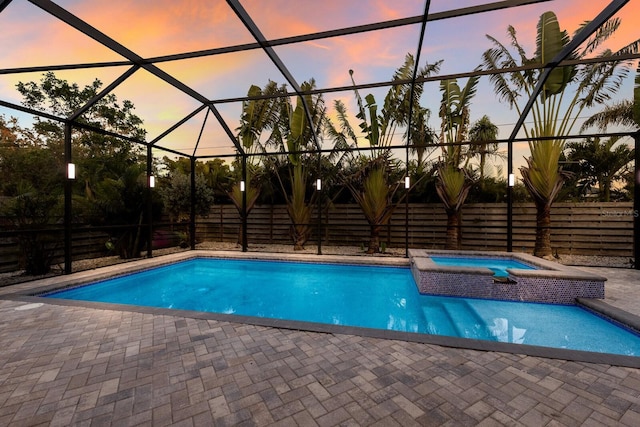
(467, 322)
(439, 322)
(455, 318)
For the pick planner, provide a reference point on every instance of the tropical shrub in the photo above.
(566, 93)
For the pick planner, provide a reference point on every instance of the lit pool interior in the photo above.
(352, 295)
(499, 266)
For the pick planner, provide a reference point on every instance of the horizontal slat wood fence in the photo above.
(577, 229)
(86, 244)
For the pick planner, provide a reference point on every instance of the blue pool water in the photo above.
(497, 265)
(365, 296)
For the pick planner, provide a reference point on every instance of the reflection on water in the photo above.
(546, 325)
(501, 331)
(365, 296)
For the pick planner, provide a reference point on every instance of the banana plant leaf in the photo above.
(550, 41)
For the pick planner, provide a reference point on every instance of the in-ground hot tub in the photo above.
(502, 276)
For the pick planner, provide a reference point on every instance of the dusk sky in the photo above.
(32, 37)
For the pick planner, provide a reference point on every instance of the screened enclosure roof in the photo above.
(187, 65)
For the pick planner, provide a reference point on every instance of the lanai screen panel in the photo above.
(197, 53)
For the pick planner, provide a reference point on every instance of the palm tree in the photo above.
(617, 114)
(370, 186)
(543, 179)
(423, 137)
(452, 186)
(375, 184)
(258, 114)
(252, 190)
(483, 135)
(453, 180)
(555, 111)
(119, 203)
(622, 113)
(374, 188)
(293, 134)
(600, 162)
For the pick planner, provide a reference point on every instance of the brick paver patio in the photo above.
(70, 365)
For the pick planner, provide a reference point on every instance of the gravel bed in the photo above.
(595, 261)
(89, 264)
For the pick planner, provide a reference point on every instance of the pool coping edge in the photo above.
(28, 291)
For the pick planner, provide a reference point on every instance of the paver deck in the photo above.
(76, 365)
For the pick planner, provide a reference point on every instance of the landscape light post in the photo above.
(319, 196)
(151, 182)
(68, 187)
(243, 184)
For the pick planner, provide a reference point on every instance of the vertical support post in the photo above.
(319, 194)
(319, 223)
(68, 214)
(149, 203)
(192, 216)
(636, 203)
(244, 203)
(406, 202)
(407, 185)
(509, 196)
(416, 65)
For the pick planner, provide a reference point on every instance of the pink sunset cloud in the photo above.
(31, 37)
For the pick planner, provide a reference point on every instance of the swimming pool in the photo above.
(375, 297)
